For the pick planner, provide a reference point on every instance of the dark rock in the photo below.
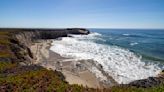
(30, 53)
(145, 83)
(5, 59)
(162, 70)
(61, 76)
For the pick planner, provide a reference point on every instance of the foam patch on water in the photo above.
(126, 34)
(133, 43)
(124, 66)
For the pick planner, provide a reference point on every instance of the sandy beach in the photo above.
(72, 70)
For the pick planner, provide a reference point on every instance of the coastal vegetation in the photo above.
(15, 77)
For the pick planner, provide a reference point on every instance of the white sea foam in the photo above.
(133, 43)
(124, 66)
(126, 34)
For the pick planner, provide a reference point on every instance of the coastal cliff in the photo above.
(22, 39)
(16, 61)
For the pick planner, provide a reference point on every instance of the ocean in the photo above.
(125, 54)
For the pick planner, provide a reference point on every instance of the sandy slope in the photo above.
(51, 60)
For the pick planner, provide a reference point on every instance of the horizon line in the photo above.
(78, 27)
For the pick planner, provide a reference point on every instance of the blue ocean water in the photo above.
(149, 43)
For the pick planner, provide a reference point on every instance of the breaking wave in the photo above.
(121, 64)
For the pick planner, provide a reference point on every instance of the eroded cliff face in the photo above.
(26, 36)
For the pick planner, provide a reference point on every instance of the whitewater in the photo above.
(121, 64)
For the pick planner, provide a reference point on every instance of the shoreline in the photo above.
(28, 74)
(73, 73)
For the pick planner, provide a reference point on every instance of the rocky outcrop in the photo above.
(149, 82)
(89, 64)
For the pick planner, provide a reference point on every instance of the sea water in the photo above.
(125, 54)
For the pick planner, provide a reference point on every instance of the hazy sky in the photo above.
(82, 13)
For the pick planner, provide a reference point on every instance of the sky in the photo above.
(82, 13)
